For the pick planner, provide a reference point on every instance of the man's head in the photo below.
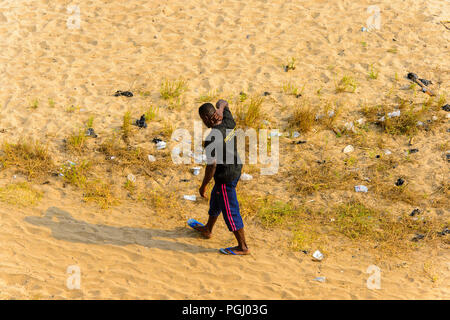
(209, 115)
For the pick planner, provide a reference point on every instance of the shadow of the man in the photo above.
(65, 227)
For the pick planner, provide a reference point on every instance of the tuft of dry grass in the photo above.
(173, 88)
(302, 118)
(20, 194)
(208, 96)
(76, 143)
(101, 193)
(28, 157)
(249, 112)
(126, 127)
(391, 234)
(313, 177)
(346, 84)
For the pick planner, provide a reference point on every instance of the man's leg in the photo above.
(241, 248)
(214, 212)
(207, 229)
(232, 216)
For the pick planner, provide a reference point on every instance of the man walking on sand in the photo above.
(224, 164)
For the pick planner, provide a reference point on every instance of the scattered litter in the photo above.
(399, 182)
(447, 156)
(320, 279)
(331, 113)
(295, 134)
(266, 123)
(131, 177)
(156, 140)
(123, 93)
(394, 114)
(71, 163)
(151, 158)
(246, 177)
(418, 237)
(14, 177)
(387, 152)
(426, 82)
(318, 117)
(414, 212)
(196, 171)
(434, 118)
(90, 133)
(350, 126)
(348, 149)
(317, 255)
(160, 145)
(361, 121)
(445, 231)
(361, 188)
(184, 180)
(112, 158)
(413, 150)
(141, 122)
(190, 198)
(300, 142)
(446, 107)
(421, 82)
(420, 123)
(378, 156)
(275, 134)
(364, 29)
(266, 93)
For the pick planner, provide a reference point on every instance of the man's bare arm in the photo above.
(209, 174)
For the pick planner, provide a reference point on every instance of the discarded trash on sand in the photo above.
(123, 93)
(196, 171)
(348, 149)
(131, 177)
(151, 158)
(141, 122)
(190, 197)
(246, 177)
(91, 133)
(320, 279)
(361, 188)
(317, 255)
(399, 182)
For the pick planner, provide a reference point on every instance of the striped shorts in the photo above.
(224, 200)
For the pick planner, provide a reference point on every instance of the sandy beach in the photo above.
(130, 239)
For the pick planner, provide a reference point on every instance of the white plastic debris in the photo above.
(196, 171)
(71, 163)
(364, 29)
(350, 126)
(275, 134)
(447, 115)
(190, 197)
(348, 149)
(331, 113)
(361, 188)
(112, 158)
(160, 145)
(318, 117)
(394, 114)
(246, 177)
(387, 152)
(320, 279)
(131, 177)
(420, 123)
(151, 158)
(295, 134)
(361, 121)
(434, 118)
(317, 255)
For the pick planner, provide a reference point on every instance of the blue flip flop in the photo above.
(227, 251)
(194, 223)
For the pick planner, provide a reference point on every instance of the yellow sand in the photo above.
(128, 251)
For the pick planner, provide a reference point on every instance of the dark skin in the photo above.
(206, 231)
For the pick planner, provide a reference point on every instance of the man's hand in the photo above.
(202, 190)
